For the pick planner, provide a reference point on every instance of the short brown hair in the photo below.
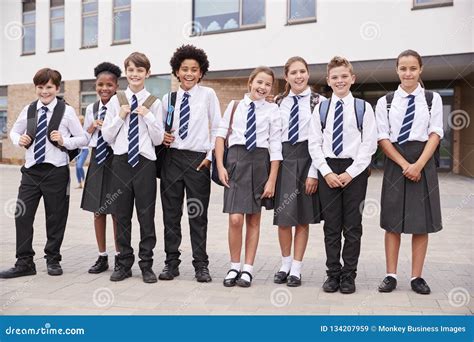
(338, 61)
(412, 53)
(43, 76)
(258, 70)
(139, 59)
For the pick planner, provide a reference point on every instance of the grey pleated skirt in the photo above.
(248, 172)
(292, 205)
(406, 206)
(98, 186)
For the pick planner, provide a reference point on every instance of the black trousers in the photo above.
(179, 174)
(134, 185)
(51, 183)
(342, 211)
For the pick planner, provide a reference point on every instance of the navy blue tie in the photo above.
(251, 131)
(101, 151)
(184, 113)
(337, 129)
(407, 121)
(133, 155)
(40, 139)
(293, 124)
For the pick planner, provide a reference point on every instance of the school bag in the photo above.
(122, 98)
(53, 125)
(161, 150)
(429, 101)
(359, 110)
(214, 172)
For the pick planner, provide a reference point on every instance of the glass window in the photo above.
(431, 3)
(301, 10)
(56, 25)
(210, 15)
(3, 112)
(86, 99)
(29, 27)
(121, 20)
(158, 85)
(90, 23)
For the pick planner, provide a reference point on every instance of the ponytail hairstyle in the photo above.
(288, 63)
(415, 54)
(258, 70)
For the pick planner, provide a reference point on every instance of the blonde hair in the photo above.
(258, 70)
(338, 61)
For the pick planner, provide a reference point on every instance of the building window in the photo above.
(56, 25)
(89, 23)
(121, 20)
(227, 15)
(419, 4)
(158, 85)
(301, 11)
(29, 27)
(3, 111)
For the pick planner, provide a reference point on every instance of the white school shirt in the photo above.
(304, 119)
(359, 147)
(268, 125)
(150, 129)
(204, 117)
(89, 118)
(388, 126)
(69, 127)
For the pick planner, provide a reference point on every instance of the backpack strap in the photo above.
(149, 101)
(323, 113)
(359, 110)
(170, 111)
(279, 99)
(429, 99)
(95, 110)
(231, 121)
(313, 101)
(31, 122)
(122, 98)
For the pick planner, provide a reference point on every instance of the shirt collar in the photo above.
(191, 91)
(257, 103)
(346, 99)
(50, 106)
(415, 92)
(140, 95)
(103, 105)
(306, 92)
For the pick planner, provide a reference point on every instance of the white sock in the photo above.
(413, 278)
(102, 253)
(393, 275)
(296, 268)
(286, 263)
(249, 269)
(233, 266)
(117, 253)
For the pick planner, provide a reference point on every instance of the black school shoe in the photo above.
(242, 282)
(19, 270)
(294, 281)
(54, 268)
(120, 273)
(169, 273)
(280, 277)
(149, 276)
(101, 265)
(420, 286)
(347, 285)
(331, 284)
(202, 275)
(388, 284)
(230, 282)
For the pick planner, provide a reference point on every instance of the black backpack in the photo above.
(161, 150)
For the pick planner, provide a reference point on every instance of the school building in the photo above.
(73, 36)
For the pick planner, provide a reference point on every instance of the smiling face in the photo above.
(136, 76)
(260, 86)
(189, 73)
(106, 85)
(46, 92)
(409, 71)
(297, 77)
(340, 80)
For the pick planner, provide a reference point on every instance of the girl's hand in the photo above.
(24, 140)
(311, 185)
(345, 179)
(413, 172)
(269, 189)
(56, 136)
(333, 180)
(124, 111)
(223, 176)
(168, 138)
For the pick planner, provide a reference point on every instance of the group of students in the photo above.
(300, 154)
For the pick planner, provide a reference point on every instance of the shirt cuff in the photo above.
(276, 156)
(15, 139)
(221, 133)
(382, 136)
(436, 130)
(313, 172)
(353, 171)
(209, 156)
(325, 169)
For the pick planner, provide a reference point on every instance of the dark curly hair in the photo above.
(189, 52)
(108, 68)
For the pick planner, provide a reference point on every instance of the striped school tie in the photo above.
(184, 112)
(293, 125)
(133, 134)
(251, 132)
(101, 151)
(337, 129)
(407, 121)
(40, 139)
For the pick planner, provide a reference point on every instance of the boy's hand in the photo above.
(205, 163)
(345, 179)
(168, 138)
(333, 180)
(124, 111)
(311, 185)
(24, 140)
(141, 110)
(56, 136)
